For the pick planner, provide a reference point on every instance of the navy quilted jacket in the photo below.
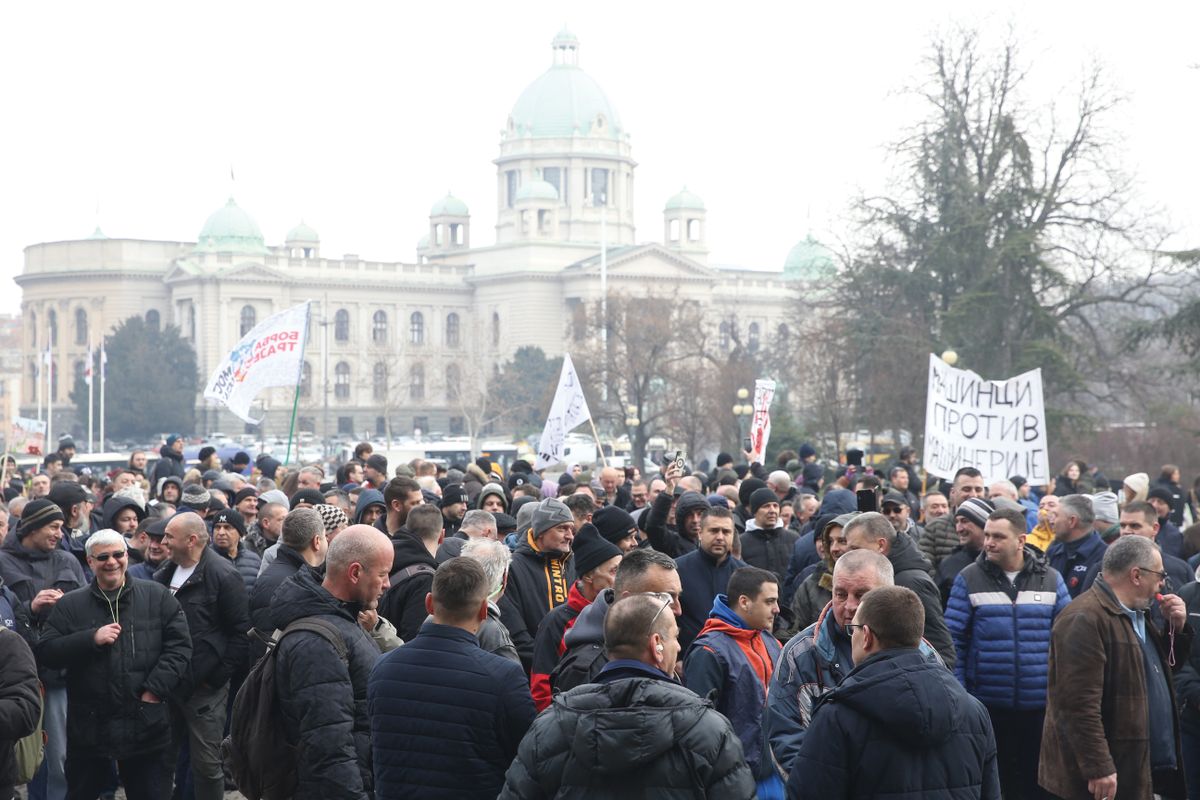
(1001, 630)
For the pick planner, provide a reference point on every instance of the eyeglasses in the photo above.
(851, 627)
(102, 557)
(1161, 575)
(667, 601)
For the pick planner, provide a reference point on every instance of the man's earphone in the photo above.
(659, 648)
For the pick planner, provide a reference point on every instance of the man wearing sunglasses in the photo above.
(1112, 723)
(125, 646)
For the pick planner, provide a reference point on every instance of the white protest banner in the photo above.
(269, 355)
(760, 424)
(568, 410)
(27, 436)
(998, 427)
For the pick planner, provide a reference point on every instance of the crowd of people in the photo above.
(468, 631)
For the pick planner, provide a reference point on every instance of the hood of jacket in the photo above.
(905, 555)
(528, 546)
(474, 474)
(686, 504)
(267, 466)
(13, 546)
(626, 723)
(167, 452)
(909, 697)
(408, 550)
(115, 505)
(366, 499)
(589, 625)
(838, 501)
(723, 619)
(302, 595)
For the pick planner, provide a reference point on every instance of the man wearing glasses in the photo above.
(125, 646)
(635, 730)
(1111, 673)
(897, 725)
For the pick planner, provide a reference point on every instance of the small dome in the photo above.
(449, 206)
(423, 243)
(564, 101)
(537, 190)
(809, 260)
(302, 234)
(231, 230)
(98, 234)
(685, 199)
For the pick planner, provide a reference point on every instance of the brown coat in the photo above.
(1096, 720)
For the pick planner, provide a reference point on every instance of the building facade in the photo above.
(393, 344)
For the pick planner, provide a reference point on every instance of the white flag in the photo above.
(568, 410)
(760, 423)
(269, 355)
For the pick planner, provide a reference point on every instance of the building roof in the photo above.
(564, 101)
(449, 206)
(303, 234)
(537, 190)
(229, 229)
(809, 260)
(684, 199)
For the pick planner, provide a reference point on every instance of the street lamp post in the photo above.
(742, 410)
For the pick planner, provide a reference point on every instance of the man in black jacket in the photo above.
(323, 697)
(125, 647)
(872, 531)
(688, 507)
(765, 544)
(635, 732)
(170, 463)
(447, 716)
(20, 702)
(213, 597)
(414, 546)
(897, 725)
(302, 544)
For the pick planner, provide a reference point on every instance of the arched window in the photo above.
(783, 333)
(416, 328)
(81, 327)
(379, 381)
(723, 335)
(53, 379)
(379, 327)
(249, 319)
(495, 329)
(752, 340)
(341, 381)
(416, 382)
(191, 321)
(452, 335)
(341, 325)
(306, 379)
(79, 377)
(52, 320)
(34, 382)
(453, 382)
(153, 320)
(33, 337)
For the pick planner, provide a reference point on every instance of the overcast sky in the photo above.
(357, 116)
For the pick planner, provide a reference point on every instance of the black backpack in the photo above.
(579, 665)
(256, 752)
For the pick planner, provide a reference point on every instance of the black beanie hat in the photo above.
(505, 524)
(760, 497)
(591, 549)
(311, 496)
(454, 493)
(230, 516)
(38, 514)
(748, 488)
(613, 523)
(205, 452)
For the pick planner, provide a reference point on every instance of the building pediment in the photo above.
(646, 261)
(184, 269)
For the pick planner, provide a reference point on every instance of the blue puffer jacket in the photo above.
(1001, 630)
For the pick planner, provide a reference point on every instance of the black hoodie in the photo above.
(403, 604)
(169, 463)
(912, 572)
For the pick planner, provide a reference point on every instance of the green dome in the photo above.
(809, 260)
(537, 190)
(564, 101)
(423, 242)
(685, 199)
(231, 230)
(303, 234)
(449, 206)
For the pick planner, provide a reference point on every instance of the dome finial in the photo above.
(566, 48)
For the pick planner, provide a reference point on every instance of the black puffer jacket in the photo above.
(247, 564)
(537, 582)
(912, 572)
(20, 700)
(214, 602)
(768, 549)
(323, 699)
(897, 727)
(105, 717)
(629, 735)
(403, 604)
(169, 464)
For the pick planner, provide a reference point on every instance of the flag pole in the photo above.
(299, 377)
(599, 447)
(103, 375)
(49, 404)
(91, 382)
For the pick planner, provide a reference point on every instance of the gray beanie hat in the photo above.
(548, 513)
